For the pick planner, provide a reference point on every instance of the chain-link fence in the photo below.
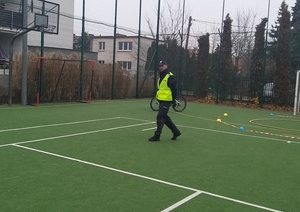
(124, 57)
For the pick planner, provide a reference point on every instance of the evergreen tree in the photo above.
(295, 39)
(226, 59)
(214, 69)
(189, 72)
(170, 52)
(271, 52)
(86, 42)
(150, 58)
(257, 60)
(283, 58)
(272, 45)
(202, 67)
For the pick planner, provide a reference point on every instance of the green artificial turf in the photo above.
(96, 157)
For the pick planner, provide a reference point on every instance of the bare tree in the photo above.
(215, 38)
(170, 22)
(243, 40)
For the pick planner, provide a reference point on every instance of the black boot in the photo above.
(154, 138)
(175, 135)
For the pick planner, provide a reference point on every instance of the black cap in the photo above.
(162, 62)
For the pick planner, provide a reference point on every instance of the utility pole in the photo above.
(82, 50)
(114, 53)
(220, 60)
(181, 52)
(188, 32)
(262, 77)
(156, 48)
(41, 86)
(138, 54)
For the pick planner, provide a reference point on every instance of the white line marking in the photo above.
(106, 167)
(181, 202)
(75, 134)
(238, 134)
(16, 107)
(61, 124)
(241, 202)
(137, 119)
(145, 177)
(152, 128)
(231, 133)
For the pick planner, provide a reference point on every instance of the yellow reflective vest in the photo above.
(164, 92)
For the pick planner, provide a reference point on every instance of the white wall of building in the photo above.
(122, 56)
(64, 39)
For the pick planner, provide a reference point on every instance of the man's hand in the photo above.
(173, 103)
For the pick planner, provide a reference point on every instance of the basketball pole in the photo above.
(11, 55)
(24, 56)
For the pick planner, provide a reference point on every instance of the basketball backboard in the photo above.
(44, 15)
(41, 20)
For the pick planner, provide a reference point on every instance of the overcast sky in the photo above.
(207, 13)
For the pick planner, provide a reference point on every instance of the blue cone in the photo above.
(242, 128)
(271, 114)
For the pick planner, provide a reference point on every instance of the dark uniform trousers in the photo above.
(163, 118)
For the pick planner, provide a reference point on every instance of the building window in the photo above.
(101, 46)
(101, 62)
(125, 46)
(126, 65)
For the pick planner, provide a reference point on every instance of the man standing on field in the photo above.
(165, 95)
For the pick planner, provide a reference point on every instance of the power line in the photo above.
(104, 24)
(215, 23)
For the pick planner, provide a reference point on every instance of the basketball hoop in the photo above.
(42, 14)
(50, 29)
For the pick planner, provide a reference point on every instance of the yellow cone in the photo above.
(225, 114)
(219, 120)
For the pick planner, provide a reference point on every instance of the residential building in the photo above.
(126, 50)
